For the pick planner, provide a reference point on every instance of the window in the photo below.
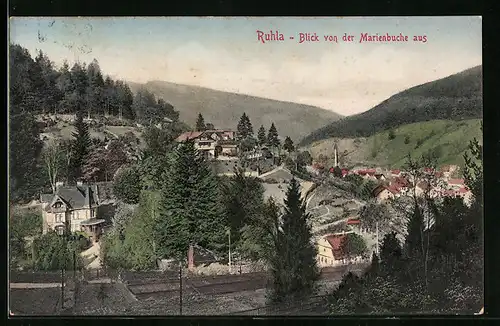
(58, 205)
(59, 217)
(91, 213)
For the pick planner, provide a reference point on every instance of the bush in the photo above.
(407, 140)
(391, 135)
(53, 252)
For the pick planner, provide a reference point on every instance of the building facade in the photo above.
(72, 209)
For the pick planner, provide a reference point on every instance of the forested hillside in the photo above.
(457, 97)
(38, 88)
(223, 109)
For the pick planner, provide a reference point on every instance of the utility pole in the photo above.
(377, 240)
(180, 287)
(62, 287)
(229, 233)
(74, 265)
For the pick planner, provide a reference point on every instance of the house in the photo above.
(401, 185)
(368, 174)
(422, 187)
(345, 172)
(449, 170)
(354, 222)
(456, 183)
(73, 208)
(383, 193)
(380, 176)
(212, 143)
(330, 250)
(395, 173)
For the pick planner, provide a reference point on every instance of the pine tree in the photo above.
(244, 200)
(80, 146)
(248, 126)
(95, 89)
(49, 94)
(200, 123)
(414, 241)
(288, 145)
(79, 84)
(390, 252)
(261, 136)
(374, 268)
(24, 152)
(297, 272)
(64, 85)
(272, 137)
(190, 212)
(243, 127)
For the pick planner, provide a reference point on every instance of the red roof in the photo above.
(462, 191)
(394, 188)
(402, 182)
(189, 135)
(353, 221)
(395, 171)
(335, 241)
(381, 188)
(456, 181)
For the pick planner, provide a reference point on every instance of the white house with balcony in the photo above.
(212, 143)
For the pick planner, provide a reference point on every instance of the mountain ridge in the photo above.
(224, 109)
(455, 97)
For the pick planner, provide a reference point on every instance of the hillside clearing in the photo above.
(447, 139)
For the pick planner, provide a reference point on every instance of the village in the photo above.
(85, 208)
(184, 178)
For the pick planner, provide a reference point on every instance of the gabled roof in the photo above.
(402, 182)
(456, 181)
(189, 135)
(74, 197)
(335, 241)
(378, 190)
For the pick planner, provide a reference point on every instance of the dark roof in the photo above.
(46, 198)
(75, 196)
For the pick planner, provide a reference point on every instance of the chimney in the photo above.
(191, 257)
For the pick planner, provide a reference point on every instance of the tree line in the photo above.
(37, 86)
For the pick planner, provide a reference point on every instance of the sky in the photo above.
(224, 53)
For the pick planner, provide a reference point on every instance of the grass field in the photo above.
(448, 139)
(65, 130)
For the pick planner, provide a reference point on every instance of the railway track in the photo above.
(222, 284)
